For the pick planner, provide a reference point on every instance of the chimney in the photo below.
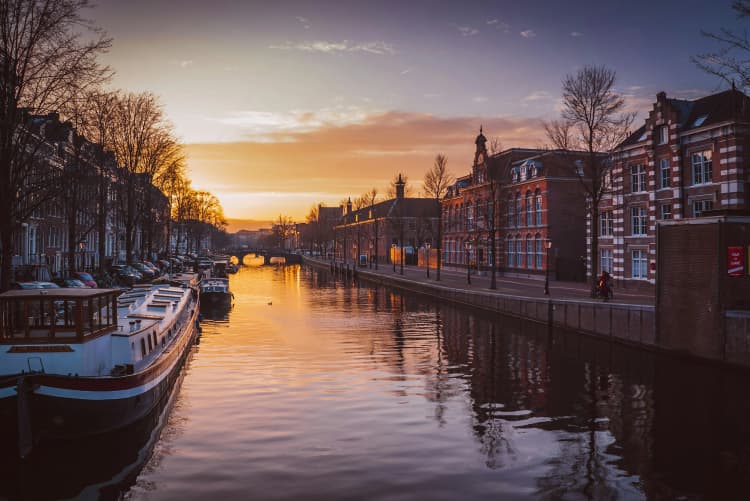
(400, 187)
(349, 206)
(661, 97)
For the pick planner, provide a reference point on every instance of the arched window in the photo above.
(519, 213)
(511, 250)
(529, 209)
(519, 251)
(539, 256)
(511, 216)
(538, 207)
(529, 252)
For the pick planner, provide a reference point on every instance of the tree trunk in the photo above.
(594, 244)
(6, 243)
(439, 243)
(101, 220)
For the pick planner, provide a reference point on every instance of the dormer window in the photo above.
(643, 137)
(699, 121)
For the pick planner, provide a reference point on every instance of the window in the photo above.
(538, 199)
(664, 134)
(637, 178)
(539, 255)
(511, 253)
(606, 262)
(519, 214)
(664, 173)
(470, 218)
(529, 210)
(529, 252)
(702, 167)
(666, 211)
(511, 216)
(519, 251)
(606, 226)
(699, 121)
(639, 263)
(638, 221)
(701, 206)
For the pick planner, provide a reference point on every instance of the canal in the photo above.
(312, 388)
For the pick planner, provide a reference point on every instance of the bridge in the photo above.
(266, 254)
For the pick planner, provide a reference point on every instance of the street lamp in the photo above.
(369, 257)
(81, 247)
(546, 271)
(393, 256)
(467, 246)
(427, 247)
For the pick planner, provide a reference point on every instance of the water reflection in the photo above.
(316, 388)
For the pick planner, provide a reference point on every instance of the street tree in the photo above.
(593, 122)
(436, 183)
(48, 53)
(731, 62)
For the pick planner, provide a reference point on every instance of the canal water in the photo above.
(313, 388)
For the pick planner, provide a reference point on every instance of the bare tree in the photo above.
(436, 183)
(48, 53)
(497, 170)
(731, 61)
(594, 122)
(283, 229)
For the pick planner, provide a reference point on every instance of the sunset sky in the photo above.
(284, 104)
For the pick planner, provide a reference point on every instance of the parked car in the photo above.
(144, 270)
(86, 278)
(126, 274)
(36, 285)
(71, 283)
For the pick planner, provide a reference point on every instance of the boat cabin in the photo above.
(56, 315)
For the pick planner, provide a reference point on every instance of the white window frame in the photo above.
(638, 221)
(664, 134)
(664, 173)
(701, 206)
(639, 264)
(529, 252)
(637, 178)
(664, 210)
(606, 224)
(606, 261)
(701, 163)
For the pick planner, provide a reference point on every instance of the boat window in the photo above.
(143, 348)
(150, 346)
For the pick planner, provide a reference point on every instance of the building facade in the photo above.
(530, 200)
(685, 161)
(383, 231)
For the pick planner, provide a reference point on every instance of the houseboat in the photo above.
(77, 362)
(215, 292)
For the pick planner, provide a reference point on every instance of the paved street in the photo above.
(516, 286)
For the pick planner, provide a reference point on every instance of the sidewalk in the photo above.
(513, 286)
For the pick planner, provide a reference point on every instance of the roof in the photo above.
(396, 207)
(709, 110)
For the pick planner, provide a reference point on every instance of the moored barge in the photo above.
(76, 362)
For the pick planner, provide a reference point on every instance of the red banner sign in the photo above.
(735, 261)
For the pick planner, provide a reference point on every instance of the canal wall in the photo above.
(626, 323)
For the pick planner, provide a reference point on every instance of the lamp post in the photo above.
(81, 247)
(546, 270)
(467, 246)
(369, 257)
(427, 248)
(393, 256)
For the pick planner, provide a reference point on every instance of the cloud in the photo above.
(431, 95)
(498, 24)
(336, 159)
(380, 48)
(406, 71)
(479, 99)
(528, 33)
(538, 95)
(467, 31)
(576, 34)
(304, 22)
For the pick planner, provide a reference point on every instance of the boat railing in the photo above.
(54, 318)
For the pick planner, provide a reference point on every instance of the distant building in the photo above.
(386, 229)
(688, 159)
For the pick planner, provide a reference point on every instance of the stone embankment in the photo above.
(630, 319)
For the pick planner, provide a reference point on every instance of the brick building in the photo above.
(538, 200)
(403, 224)
(687, 159)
